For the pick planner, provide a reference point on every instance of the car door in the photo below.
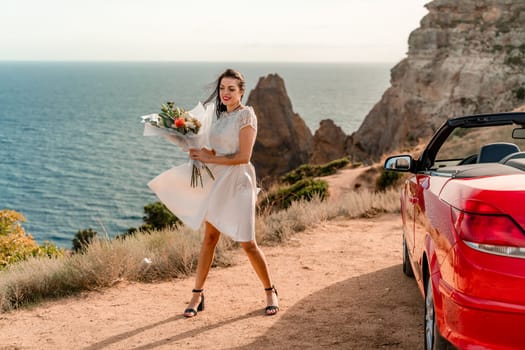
(410, 202)
(417, 201)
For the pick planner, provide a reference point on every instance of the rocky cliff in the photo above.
(329, 143)
(466, 57)
(284, 141)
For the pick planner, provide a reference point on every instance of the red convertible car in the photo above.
(463, 213)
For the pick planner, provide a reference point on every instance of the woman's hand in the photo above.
(242, 156)
(204, 155)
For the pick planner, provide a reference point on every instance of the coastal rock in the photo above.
(467, 57)
(329, 143)
(284, 141)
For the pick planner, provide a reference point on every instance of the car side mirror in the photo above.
(518, 133)
(399, 163)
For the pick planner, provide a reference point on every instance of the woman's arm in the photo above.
(246, 142)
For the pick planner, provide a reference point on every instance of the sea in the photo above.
(72, 154)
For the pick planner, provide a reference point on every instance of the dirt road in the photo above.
(340, 286)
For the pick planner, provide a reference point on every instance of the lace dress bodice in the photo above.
(224, 133)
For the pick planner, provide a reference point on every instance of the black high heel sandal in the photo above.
(269, 310)
(190, 312)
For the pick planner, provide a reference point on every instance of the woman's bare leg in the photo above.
(258, 261)
(207, 252)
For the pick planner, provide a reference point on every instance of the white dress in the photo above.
(228, 202)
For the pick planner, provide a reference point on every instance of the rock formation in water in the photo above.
(467, 57)
(284, 141)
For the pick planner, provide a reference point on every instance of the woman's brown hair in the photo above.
(228, 73)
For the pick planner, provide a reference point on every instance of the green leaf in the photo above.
(166, 122)
(209, 171)
(165, 116)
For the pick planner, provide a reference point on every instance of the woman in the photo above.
(226, 204)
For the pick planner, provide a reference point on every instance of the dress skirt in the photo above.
(228, 202)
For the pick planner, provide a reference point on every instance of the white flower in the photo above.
(150, 118)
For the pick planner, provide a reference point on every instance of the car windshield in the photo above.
(464, 144)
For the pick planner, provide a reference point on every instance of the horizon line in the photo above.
(187, 61)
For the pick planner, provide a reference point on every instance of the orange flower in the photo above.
(180, 122)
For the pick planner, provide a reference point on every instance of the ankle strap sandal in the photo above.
(190, 312)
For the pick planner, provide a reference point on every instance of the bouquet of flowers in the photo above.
(175, 118)
(183, 128)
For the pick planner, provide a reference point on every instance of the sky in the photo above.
(208, 30)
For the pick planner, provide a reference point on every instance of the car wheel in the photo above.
(407, 268)
(433, 340)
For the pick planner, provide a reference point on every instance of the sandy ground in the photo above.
(340, 285)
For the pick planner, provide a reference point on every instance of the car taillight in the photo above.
(490, 232)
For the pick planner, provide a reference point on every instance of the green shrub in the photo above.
(49, 250)
(509, 48)
(502, 28)
(387, 179)
(304, 189)
(302, 172)
(129, 232)
(332, 167)
(514, 61)
(158, 217)
(83, 239)
(307, 171)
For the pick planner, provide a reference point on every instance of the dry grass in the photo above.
(279, 226)
(173, 253)
(143, 257)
